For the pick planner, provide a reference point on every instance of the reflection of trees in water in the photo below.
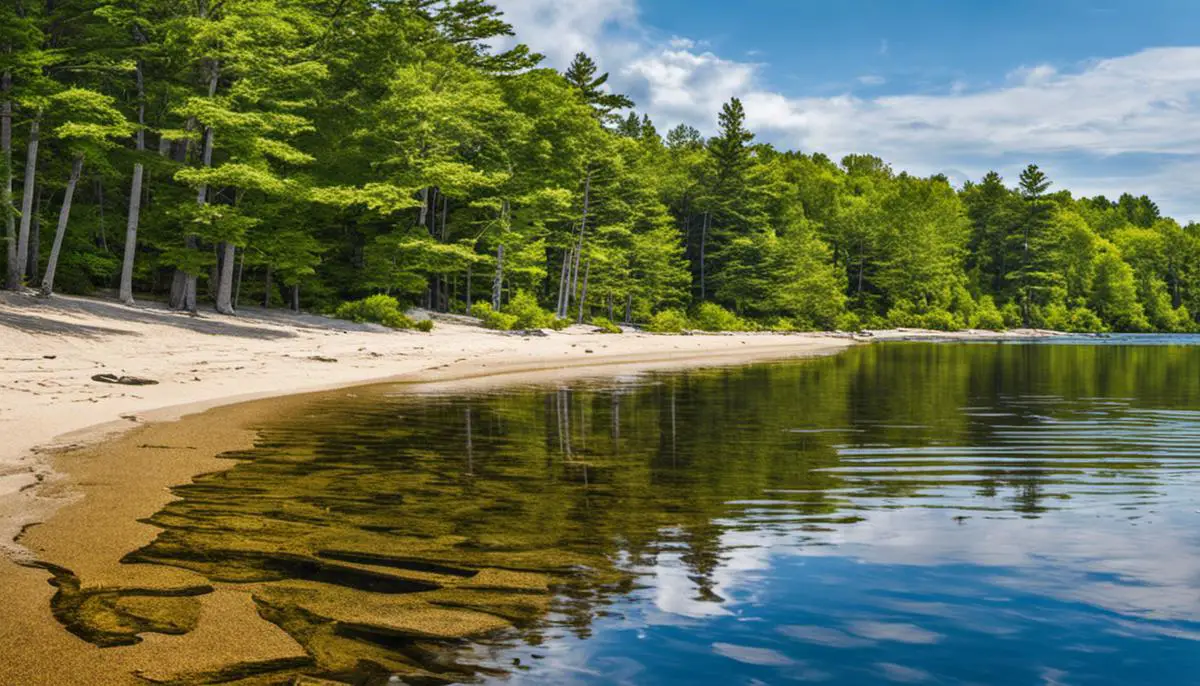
(463, 512)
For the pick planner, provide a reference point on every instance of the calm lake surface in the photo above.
(907, 512)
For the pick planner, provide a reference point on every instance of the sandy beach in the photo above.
(75, 481)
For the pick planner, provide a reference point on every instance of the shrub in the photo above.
(940, 320)
(524, 306)
(1011, 313)
(988, 316)
(783, 325)
(902, 316)
(848, 321)
(713, 317)
(605, 325)
(381, 309)
(425, 325)
(492, 319)
(668, 321)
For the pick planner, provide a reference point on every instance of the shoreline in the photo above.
(76, 498)
(313, 354)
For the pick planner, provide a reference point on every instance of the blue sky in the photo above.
(1103, 94)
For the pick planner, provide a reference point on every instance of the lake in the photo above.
(902, 512)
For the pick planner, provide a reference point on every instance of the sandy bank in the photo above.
(52, 415)
(51, 349)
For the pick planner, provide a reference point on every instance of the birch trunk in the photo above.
(587, 191)
(13, 279)
(587, 271)
(498, 283)
(63, 217)
(32, 272)
(125, 292)
(31, 157)
(225, 280)
(468, 293)
(563, 273)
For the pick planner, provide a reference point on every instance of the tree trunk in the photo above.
(563, 274)
(423, 218)
(445, 209)
(587, 192)
(587, 271)
(296, 298)
(31, 157)
(185, 283)
(498, 283)
(468, 293)
(125, 292)
(63, 217)
(33, 264)
(225, 282)
(237, 283)
(703, 248)
(13, 278)
(267, 289)
(629, 309)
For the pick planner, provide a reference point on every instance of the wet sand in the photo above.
(77, 502)
(90, 510)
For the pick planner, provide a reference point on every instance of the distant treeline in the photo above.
(310, 152)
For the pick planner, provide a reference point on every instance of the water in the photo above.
(907, 513)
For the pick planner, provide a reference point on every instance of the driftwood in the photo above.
(124, 380)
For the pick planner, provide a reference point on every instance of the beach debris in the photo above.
(124, 380)
(322, 358)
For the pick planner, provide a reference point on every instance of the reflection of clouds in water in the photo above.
(1088, 553)
(677, 593)
(764, 657)
(824, 636)
(901, 674)
(894, 631)
(1078, 555)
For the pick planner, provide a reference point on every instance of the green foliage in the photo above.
(713, 317)
(604, 325)
(387, 147)
(849, 321)
(425, 325)
(491, 319)
(987, 316)
(380, 309)
(668, 321)
(529, 315)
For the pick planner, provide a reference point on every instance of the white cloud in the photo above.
(1139, 104)
(872, 80)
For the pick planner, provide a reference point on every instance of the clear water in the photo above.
(907, 513)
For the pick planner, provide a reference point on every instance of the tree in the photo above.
(583, 78)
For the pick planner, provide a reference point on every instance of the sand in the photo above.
(70, 464)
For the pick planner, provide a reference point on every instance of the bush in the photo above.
(605, 325)
(848, 321)
(492, 319)
(1011, 313)
(783, 325)
(425, 325)
(940, 320)
(713, 317)
(524, 306)
(380, 309)
(988, 316)
(668, 321)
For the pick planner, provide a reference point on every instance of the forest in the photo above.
(313, 153)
